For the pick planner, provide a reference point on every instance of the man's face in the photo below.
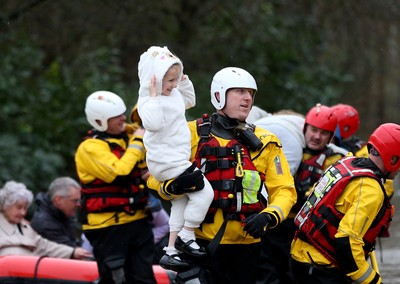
(70, 203)
(116, 125)
(316, 138)
(238, 103)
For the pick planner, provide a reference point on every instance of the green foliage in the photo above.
(280, 47)
(48, 73)
(42, 109)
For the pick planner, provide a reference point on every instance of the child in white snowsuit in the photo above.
(164, 95)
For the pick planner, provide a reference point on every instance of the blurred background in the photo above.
(54, 53)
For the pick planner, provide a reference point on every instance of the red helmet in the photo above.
(348, 120)
(386, 140)
(322, 117)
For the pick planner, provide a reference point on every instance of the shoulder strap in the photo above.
(204, 127)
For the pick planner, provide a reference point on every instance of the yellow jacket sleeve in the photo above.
(94, 159)
(279, 183)
(158, 186)
(361, 203)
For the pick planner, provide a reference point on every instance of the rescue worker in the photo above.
(346, 211)
(246, 168)
(348, 124)
(113, 194)
(318, 154)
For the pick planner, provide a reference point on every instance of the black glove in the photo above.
(257, 224)
(189, 181)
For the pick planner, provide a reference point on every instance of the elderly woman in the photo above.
(16, 235)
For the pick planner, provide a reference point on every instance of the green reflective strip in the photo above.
(251, 183)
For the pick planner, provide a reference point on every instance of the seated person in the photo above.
(55, 215)
(16, 235)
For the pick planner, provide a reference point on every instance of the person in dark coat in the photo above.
(55, 216)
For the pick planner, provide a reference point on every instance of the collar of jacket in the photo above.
(43, 202)
(368, 164)
(223, 126)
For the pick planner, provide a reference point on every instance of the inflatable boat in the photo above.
(33, 269)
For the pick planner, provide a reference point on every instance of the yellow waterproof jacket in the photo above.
(278, 181)
(360, 201)
(94, 159)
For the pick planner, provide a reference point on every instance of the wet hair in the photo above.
(13, 192)
(61, 186)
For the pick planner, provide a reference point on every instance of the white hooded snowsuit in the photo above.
(167, 138)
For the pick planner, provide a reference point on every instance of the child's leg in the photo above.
(198, 205)
(171, 260)
(172, 238)
(175, 223)
(195, 211)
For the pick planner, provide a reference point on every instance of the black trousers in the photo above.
(275, 254)
(159, 249)
(130, 245)
(305, 273)
(233, 264)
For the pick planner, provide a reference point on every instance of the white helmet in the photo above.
(228, 78)
(102, 105)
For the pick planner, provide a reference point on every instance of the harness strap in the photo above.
(225, 184)
(223, 163)
(204, 128)
(311, 168)
(216, 151)
(213, 245)
(222, 203)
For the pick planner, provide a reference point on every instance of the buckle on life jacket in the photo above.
(237, 151)
(204, 126)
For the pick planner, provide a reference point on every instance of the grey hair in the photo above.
(13, 192)
(61, 186)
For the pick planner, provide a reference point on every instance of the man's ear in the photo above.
(217, 96)
(332, 137)
(57, 200)
(394, 160)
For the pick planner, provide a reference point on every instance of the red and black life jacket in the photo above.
(310, 171)
(125, 194)
(318, 219)
(220, 165)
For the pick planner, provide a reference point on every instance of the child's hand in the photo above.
(184, 77)
(153, 86)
